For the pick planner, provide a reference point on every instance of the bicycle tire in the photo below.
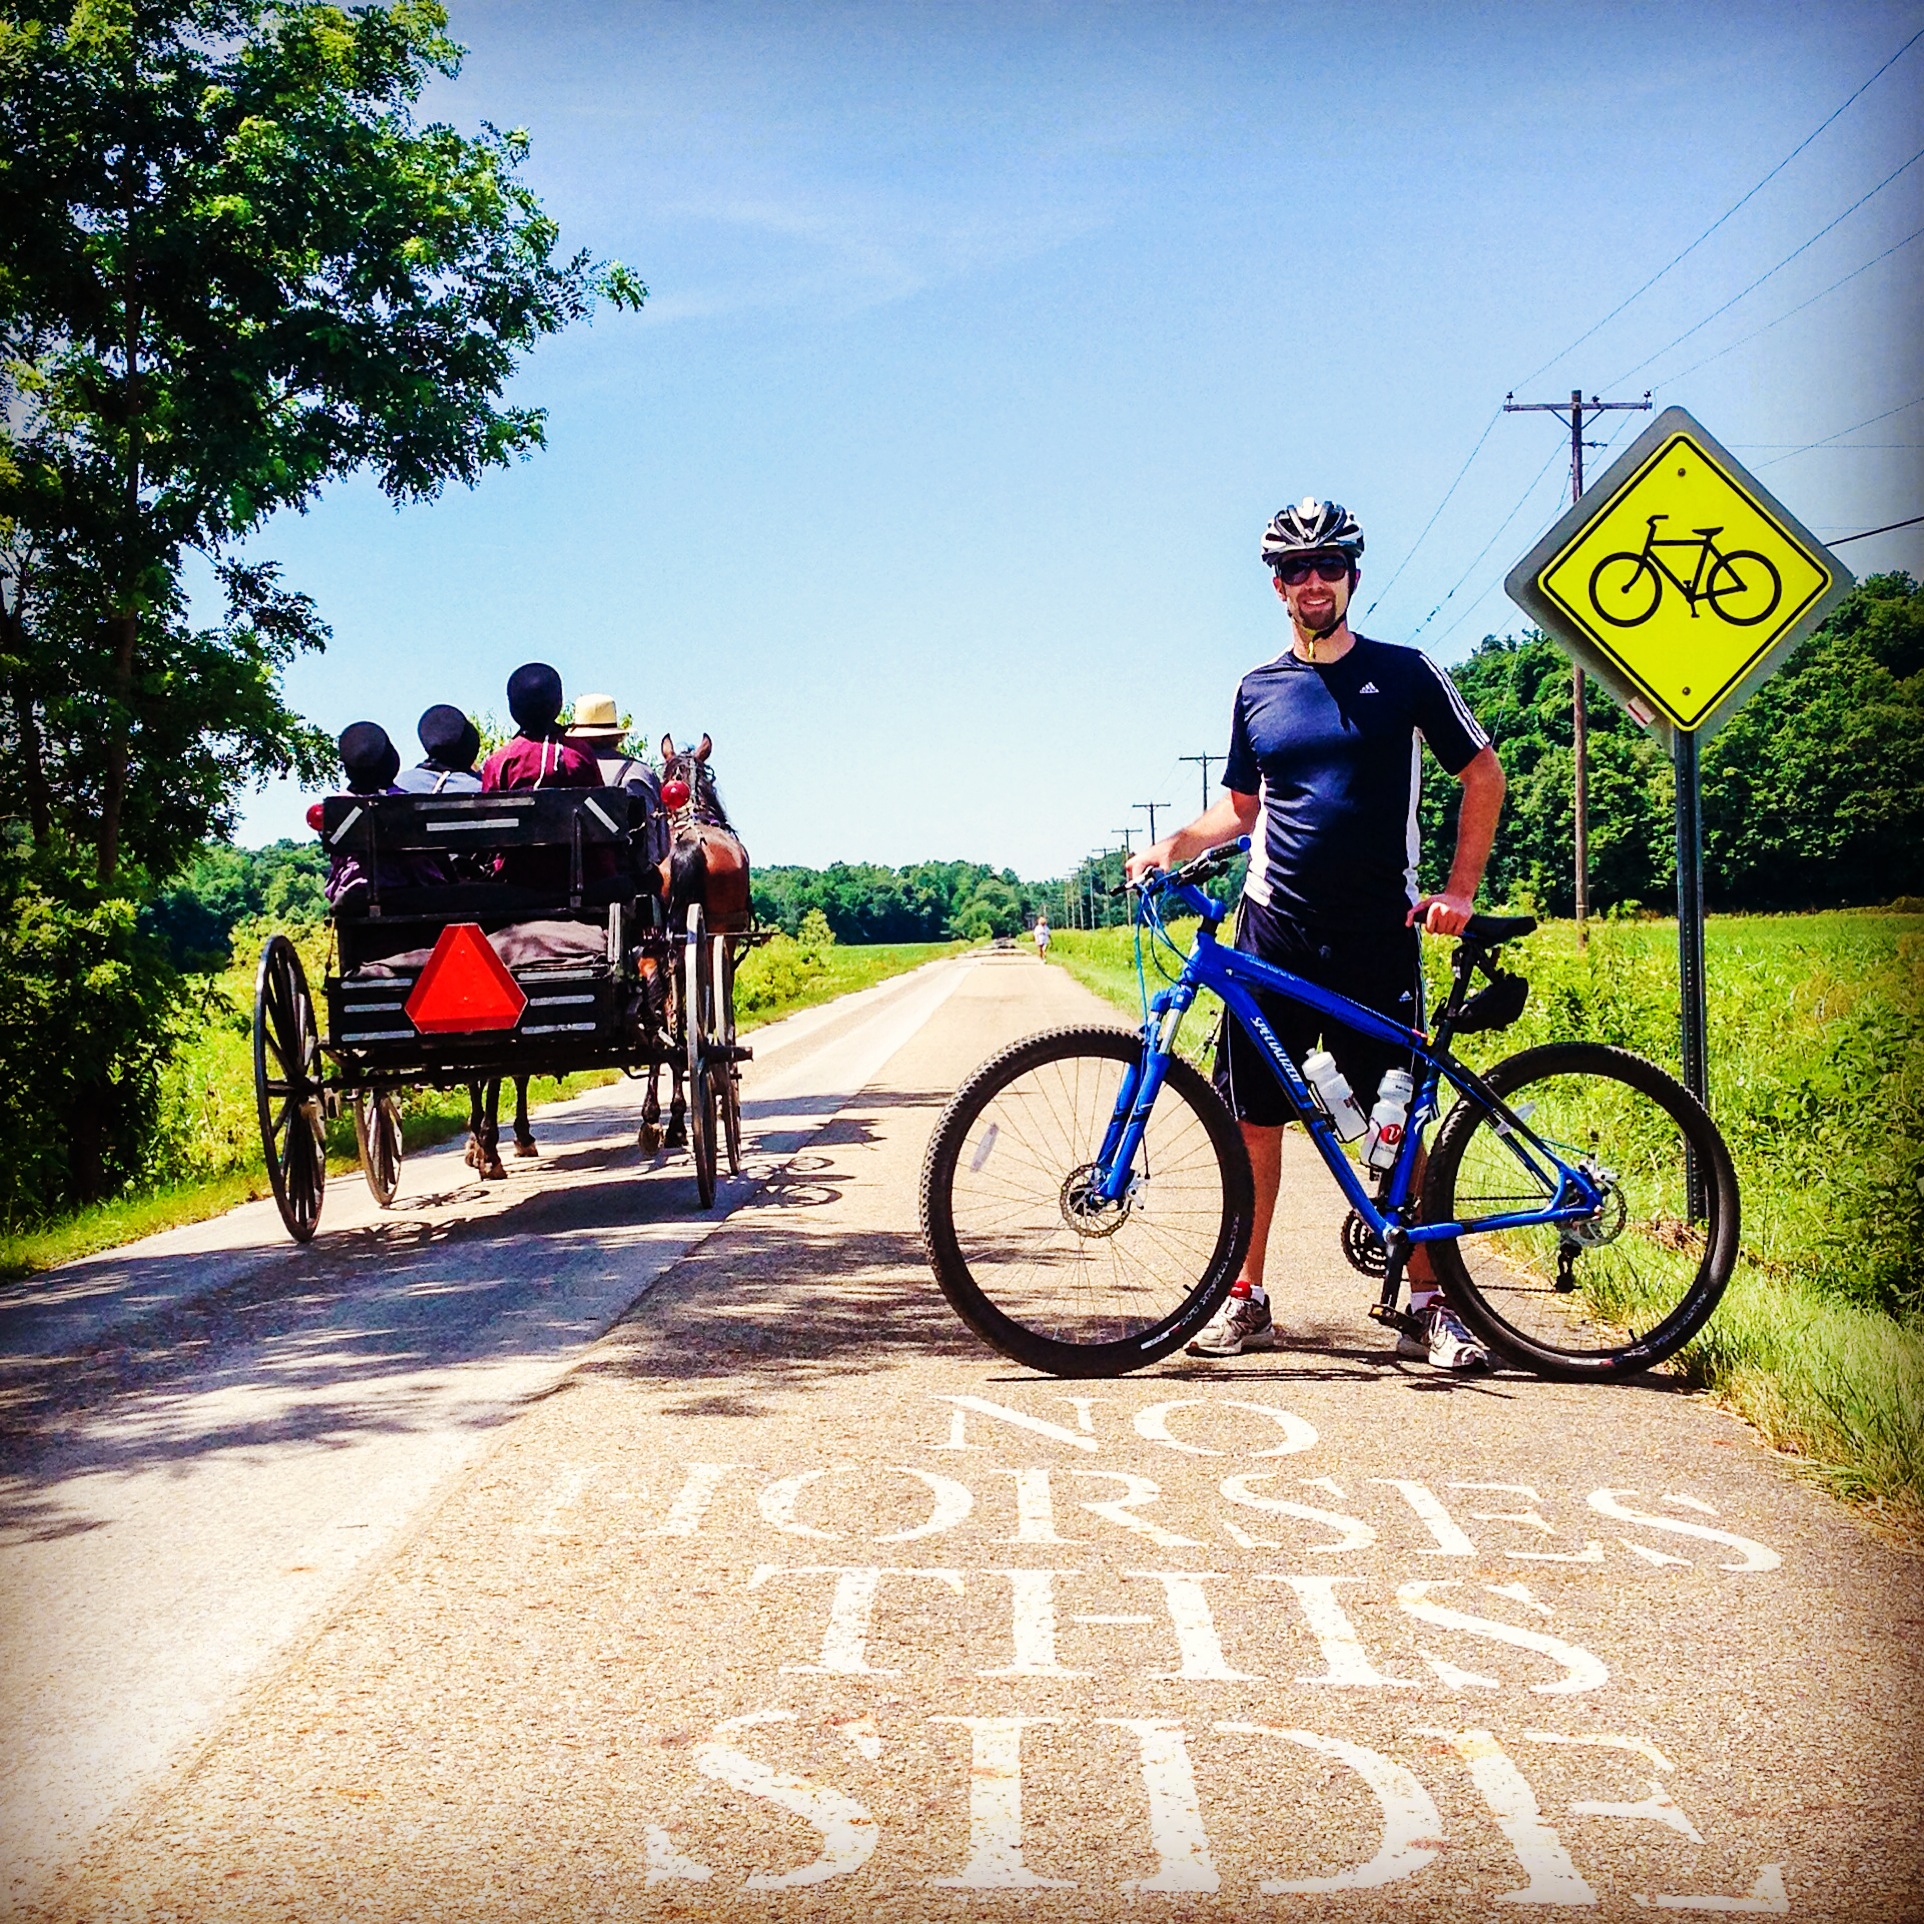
(1639, 565)
(1197, 1221)
(1634, 1256)
(1716, 596)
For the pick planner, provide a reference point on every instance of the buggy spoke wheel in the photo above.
(377, 1134)
(288, 1087)
(728, 1073)
(698, 1015)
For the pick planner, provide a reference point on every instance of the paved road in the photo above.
(421, 1587)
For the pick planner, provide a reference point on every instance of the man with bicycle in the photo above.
(1322, 774)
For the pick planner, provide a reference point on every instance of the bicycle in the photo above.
(1716, 578)
(1086, 1196)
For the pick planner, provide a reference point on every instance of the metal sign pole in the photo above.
(1690, 946)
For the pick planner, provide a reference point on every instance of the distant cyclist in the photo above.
(1322, 774)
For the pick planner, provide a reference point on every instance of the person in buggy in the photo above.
(371, 762)
(451, 745)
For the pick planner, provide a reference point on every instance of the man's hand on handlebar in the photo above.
(1443, 914)
(1156, 856)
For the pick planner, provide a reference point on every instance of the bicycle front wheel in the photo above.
(1617, 1292)
(1029, 1260)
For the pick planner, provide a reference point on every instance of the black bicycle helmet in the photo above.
(1312, 527)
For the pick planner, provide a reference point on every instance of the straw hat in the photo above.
(596, 718)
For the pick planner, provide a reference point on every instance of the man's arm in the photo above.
(1234, 815)
(1446, 912)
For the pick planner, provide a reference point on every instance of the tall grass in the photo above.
(1816, 1029)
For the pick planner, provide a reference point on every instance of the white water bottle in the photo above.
(1333, 1090)
(1389, 1118)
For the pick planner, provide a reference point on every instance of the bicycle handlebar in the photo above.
(1199, 870)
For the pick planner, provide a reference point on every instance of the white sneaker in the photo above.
(1242, 1323)
(1445, 1344)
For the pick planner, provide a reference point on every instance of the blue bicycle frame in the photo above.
(1232, 974)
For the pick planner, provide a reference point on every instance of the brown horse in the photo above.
(707, 864)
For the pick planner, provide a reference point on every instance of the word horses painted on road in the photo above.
(1171, 1603)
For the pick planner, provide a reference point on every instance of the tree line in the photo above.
(1813, 795)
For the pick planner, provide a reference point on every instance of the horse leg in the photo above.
(490, 1136)
(524, 1143)
(648, 1137)
(477, 1098)
(677, 1136)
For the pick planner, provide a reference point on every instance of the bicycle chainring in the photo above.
(1362, 1248)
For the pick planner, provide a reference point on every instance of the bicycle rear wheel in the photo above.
(1612, 1295)
(1035, 1268)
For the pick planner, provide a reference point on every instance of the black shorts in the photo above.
(1378, 968)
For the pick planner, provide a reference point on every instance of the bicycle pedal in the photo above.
(1397, 1319)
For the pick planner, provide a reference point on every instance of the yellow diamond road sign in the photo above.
(1679, 580)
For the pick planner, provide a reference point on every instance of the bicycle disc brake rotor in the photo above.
(1086, 1210)
(1595, 1232)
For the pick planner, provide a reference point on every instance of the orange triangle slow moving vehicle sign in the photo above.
(465, 986)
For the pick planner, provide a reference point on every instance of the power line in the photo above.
(1889, 527)
(1671, 380)
(1778, 269)
(1904, 408)
(1723, 217)
(1410, 554)
(1488, 545)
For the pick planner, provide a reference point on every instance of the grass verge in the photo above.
(210, 1157)
(1817, 1081)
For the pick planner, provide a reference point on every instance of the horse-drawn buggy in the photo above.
(504, 935)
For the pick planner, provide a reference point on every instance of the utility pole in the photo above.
(1125, 833)
(1205, 760)
(1574, 412)
(1152, 807)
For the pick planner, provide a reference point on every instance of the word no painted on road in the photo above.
(1679, 580)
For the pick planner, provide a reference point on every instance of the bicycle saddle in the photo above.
(1488, 930)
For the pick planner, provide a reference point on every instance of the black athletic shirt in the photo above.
(1334, 752)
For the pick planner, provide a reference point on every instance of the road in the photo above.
(549, 1551)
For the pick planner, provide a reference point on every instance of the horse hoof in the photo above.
(675, 1139)
(648, 1139)
(471, 1155)
(493, 1172)
(523, 1150)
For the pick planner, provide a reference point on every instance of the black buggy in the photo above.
(450, 983)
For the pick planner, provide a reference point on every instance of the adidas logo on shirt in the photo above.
(1369, 688)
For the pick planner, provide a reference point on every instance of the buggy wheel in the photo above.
(698, 1016)
(377, 1133)
(288, 1087)
(728, 1072)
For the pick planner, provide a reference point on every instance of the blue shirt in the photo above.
(427, 780)
(1333, 752)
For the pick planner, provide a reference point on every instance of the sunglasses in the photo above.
(1325, 567)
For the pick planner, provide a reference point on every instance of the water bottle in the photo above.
(1333, 1091)
(1388, 1118)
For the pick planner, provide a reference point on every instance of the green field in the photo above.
(1817, 1081)
(208, 1157)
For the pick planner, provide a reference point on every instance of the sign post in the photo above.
(1682, 584)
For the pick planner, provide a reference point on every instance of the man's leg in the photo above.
(1265, 1146)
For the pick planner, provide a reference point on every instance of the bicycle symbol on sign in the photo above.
(1742, 587)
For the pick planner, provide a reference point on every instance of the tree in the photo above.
(232, 267)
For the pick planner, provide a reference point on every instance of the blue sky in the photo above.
(984, 338)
